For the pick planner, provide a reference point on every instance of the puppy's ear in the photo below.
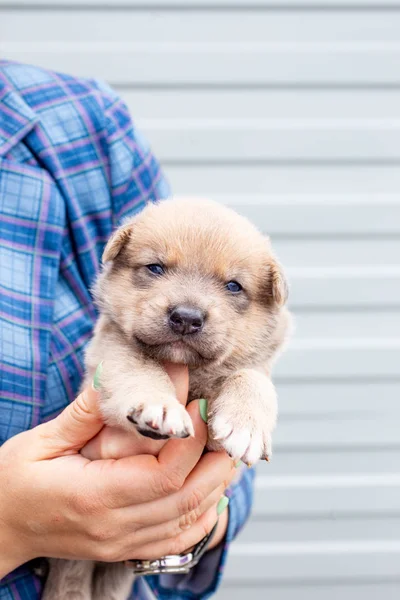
(116, 242)
(277, 287)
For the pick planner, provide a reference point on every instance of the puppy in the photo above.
(189, 282)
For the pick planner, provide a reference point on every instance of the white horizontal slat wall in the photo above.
(290, 112)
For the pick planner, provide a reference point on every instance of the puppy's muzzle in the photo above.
(186, 320)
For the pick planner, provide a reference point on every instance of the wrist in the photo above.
(12, 553)
(14, 550)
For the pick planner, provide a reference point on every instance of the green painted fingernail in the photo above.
(203, 409)
(238, 464)
(222, 504)
(96, 379)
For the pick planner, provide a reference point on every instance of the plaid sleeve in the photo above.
(204, 580)
(135, 175)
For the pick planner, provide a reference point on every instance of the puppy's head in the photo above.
(193, 282)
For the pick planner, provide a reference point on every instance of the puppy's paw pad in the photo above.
(161, 420)
(134, 416)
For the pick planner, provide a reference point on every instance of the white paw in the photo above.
(161, 419)
(243, 418)
(246, 443)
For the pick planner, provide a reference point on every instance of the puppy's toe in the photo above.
(177, 422)
(244, 445)
(220, 428)
(267, 449)
(135, 414)
(254, 450)
(161, 420)
(247, 444)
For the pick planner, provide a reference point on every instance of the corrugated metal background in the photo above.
(289, 111)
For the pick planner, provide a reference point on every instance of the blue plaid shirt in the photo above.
(72, 166)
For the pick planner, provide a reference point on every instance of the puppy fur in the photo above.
(201, 246)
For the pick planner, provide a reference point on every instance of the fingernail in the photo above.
(203, 409)
(238, 464)
(96, 379)
(222, 504)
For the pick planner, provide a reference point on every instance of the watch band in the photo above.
(174, 563)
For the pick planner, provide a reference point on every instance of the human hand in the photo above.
(55, 502)
(112, 442)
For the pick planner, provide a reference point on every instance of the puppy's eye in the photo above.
(156, 269)
(234, 287)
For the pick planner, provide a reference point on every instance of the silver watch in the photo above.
(175, 563)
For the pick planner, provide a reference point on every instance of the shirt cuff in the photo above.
(204, 579)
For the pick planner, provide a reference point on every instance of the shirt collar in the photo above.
(16, 117)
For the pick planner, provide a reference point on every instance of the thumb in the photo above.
(74, 427)
(113, 442)
(179, 375)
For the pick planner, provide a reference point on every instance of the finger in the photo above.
(179, 375)
(213, 472)
(173, 457)
(170, 529)
(180, 543)
(221, 529)
(73, 428)
(112, 442)
(137, 479)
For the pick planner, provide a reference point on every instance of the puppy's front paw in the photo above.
(243, 417)
(161, 419)
(247, 441)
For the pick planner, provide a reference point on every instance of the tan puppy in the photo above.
(188, 282)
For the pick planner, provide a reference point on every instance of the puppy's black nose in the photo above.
(186, 320)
